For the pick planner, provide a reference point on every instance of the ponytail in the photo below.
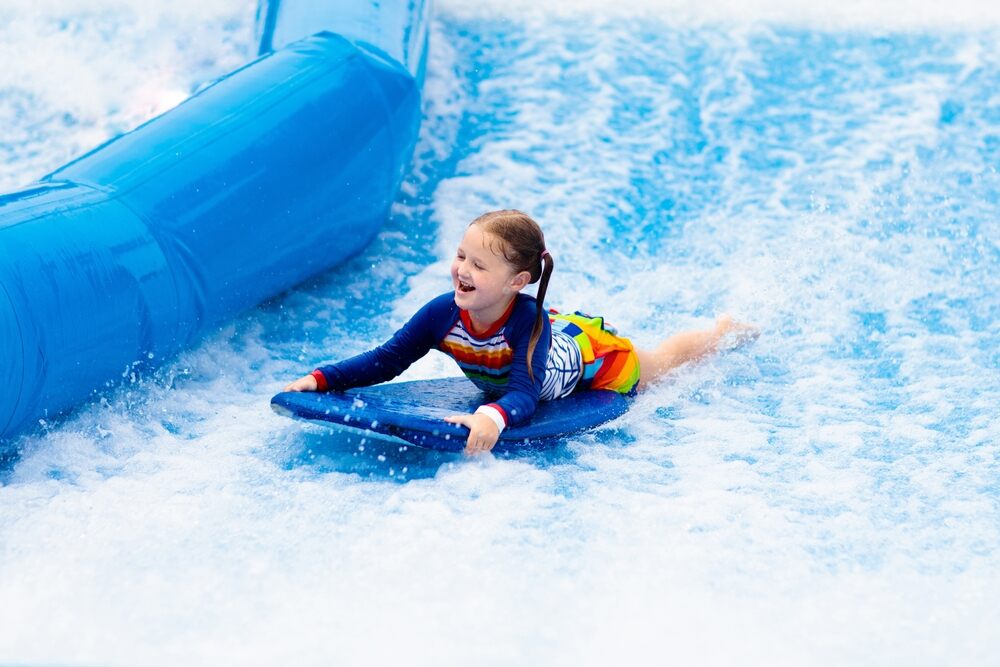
(543, 284)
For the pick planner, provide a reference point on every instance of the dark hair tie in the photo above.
(544, 253)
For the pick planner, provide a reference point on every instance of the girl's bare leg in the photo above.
(689, 346)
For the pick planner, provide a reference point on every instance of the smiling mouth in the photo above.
(465, 287)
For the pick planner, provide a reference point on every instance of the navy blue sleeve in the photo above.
(423, 331)
(521, 399)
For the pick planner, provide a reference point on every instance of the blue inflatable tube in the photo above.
(274, 173)
(398, 27)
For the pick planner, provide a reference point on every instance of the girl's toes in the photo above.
(742, 334)
(723, 324)
(737, 333)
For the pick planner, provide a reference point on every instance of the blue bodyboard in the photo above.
(415, 411)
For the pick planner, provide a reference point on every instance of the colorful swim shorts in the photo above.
(609, 360)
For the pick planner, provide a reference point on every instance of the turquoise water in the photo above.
(829, 495)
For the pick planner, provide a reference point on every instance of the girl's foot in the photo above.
(732, 335)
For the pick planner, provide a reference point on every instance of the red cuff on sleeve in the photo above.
(320, 380)
(503, 413)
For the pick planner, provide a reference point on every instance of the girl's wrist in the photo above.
(320, 380)
(493, 415)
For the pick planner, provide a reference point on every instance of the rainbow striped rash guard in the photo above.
(495, 359)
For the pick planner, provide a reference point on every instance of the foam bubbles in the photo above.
(848, 14)
(74, 76)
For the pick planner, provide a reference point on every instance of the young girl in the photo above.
(506, 343)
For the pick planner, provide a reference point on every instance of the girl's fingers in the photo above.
(476, 441)
(478, 445)
(466, 421)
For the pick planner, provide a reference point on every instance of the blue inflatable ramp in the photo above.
(273, 174)
(415, 412)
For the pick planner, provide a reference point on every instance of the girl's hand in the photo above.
(305, 383)
(483, 433)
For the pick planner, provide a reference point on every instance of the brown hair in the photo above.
(522, 244)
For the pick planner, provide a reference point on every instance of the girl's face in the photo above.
(483, 280)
